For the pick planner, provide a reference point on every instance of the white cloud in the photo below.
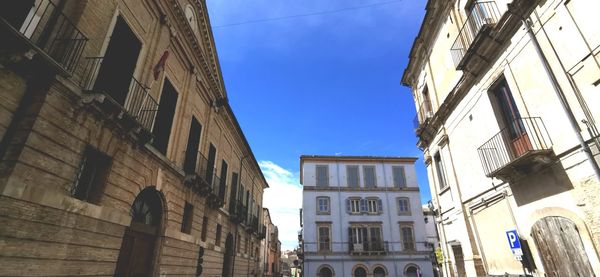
(283, 198)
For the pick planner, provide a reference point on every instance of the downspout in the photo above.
(560, 94)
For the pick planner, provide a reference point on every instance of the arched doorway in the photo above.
(360, 272)
(411, 271)
(137, 249)
(560, 247)
(379, 272)
(227, 270)
(325, 272)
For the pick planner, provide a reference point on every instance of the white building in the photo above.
(362, 217)
(507, 94)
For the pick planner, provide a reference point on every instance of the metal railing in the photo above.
(483, 13)
(368, 247)
(53, 32)
(520, 137)
(424, 112)
(139, 104)
(238, 211)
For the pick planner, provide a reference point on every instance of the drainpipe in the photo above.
(561, 96)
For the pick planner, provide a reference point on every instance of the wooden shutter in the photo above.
(363, 205)
(348, 206)
(399, 176)
(379, 206)
(352, 177)
(369, 172)
(322, 178)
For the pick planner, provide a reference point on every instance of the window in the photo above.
(407, 235)
(238, 243)
(360, 272)
(365, 237)
(379, 272)
(374, 205)
(324, 238)
(204, 227)
(369, 174)
(164, 117)
(352, 176)
(223, 181)
(91, 177)
(353, 205)
(246, 245)
(233, 193)
(322, 175)
(403, 206)
(188, 215)
(218, 235)
(399, 176)
(440, 171)
(210, 164)
(323, 205)
(325, 272)
(191, 152)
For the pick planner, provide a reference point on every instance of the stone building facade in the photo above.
(362, 216)
(120, 155)
(507, 100)
(270, 248)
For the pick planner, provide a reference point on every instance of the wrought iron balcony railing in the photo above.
(424, 112)
(516, 145)
(484, 14)
(139, 104)
(376, 247)
(51, 31)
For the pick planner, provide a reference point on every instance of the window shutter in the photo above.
(322, 175)
(352, 176)
(379, 205)
(369, 172)
(363, 205)
(348, 206)
(399, 176)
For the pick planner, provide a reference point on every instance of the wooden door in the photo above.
(228, 257)
(560, 248)
(459, 260)
(135, 258)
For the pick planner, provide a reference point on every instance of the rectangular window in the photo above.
(372, 206)
(210, 164)
(218, 236)
(233, 192)
(322, 172)
(188, 215)
(223, 181)
(366, 237)
(403, 206)
(92, 175)
(191, 152)
(439, 167)
(369, 175)
(324, 238)
(353, 205)
(204, 227)
(164, 117)
(399, 176)
(238, 243)
(352, 176)
(407, 234)
(323, 205)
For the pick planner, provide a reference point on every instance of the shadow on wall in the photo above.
(545, 183)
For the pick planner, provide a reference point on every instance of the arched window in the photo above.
(146, 208)
(325, 272)
(411, 271)
(360, 272)
(379, 272)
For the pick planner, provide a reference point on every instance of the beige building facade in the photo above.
(120, 155)
(507, 100)
(270, 247)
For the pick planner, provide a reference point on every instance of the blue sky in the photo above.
(324, 84)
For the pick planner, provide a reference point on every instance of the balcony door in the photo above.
(116, 72)
(358, 238)
(15, 12)
(510, 118)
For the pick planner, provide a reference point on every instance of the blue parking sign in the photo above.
(513, 239)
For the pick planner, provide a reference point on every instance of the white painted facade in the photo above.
(395, 260)
(475, 208)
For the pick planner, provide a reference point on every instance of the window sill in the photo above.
(444, 190)
(323, 213)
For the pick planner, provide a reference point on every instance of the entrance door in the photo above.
(227, 270)
(560, 247)
(459, 260)
(137, 249)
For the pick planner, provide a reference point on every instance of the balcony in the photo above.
(254, 224)
(262, 231)
(424, 113)
(369, 248)
(237, 211)
(475, 32)
(138, 110)
(45, 30)
(520, 148)
(205, 182)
